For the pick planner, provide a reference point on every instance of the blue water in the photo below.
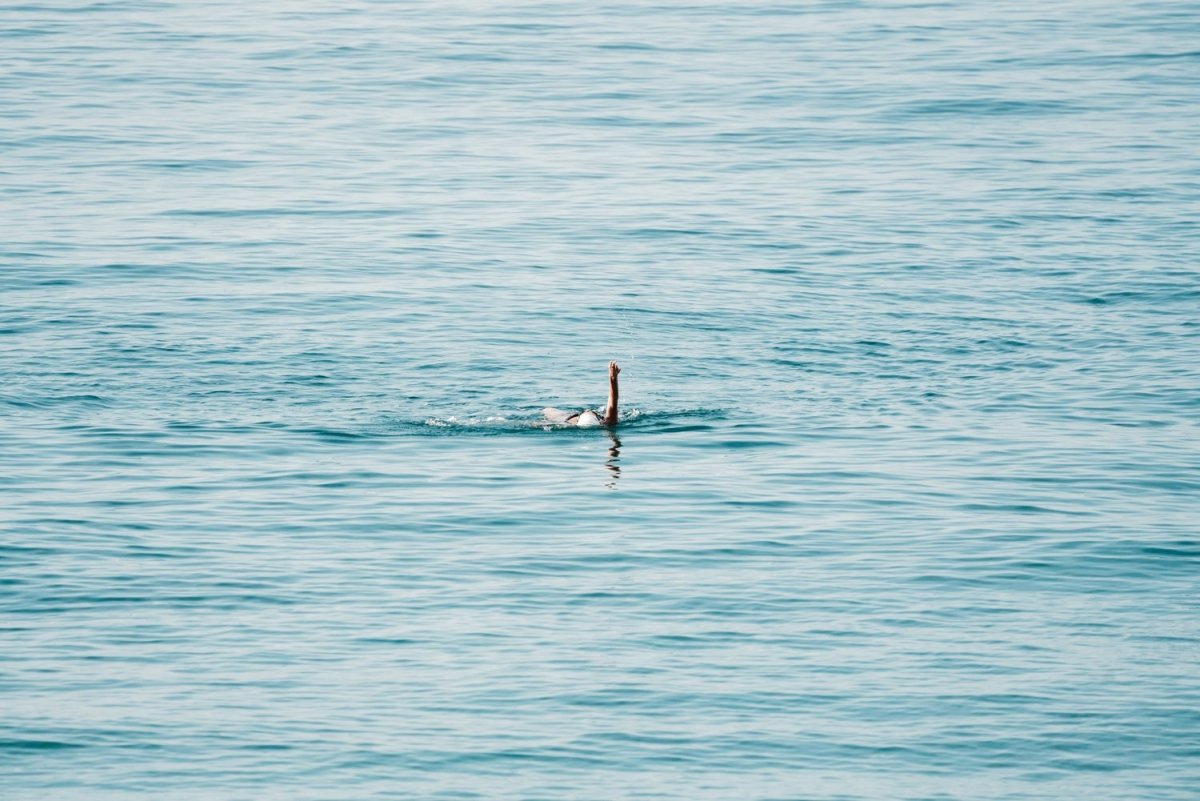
(905, 500)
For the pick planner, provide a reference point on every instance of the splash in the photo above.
(633, 419)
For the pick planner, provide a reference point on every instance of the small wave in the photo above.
(15, 744)
(49, 401)
(980, 107)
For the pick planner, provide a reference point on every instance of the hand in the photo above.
(613, 370)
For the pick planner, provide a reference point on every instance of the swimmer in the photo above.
(587, 418)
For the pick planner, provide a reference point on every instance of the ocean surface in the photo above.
(905, 500)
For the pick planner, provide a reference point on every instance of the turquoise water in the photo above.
(904, 504)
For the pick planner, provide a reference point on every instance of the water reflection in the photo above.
(613, 463)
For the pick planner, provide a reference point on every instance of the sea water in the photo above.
(904, 500)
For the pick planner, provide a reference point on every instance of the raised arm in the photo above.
(610, 411)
